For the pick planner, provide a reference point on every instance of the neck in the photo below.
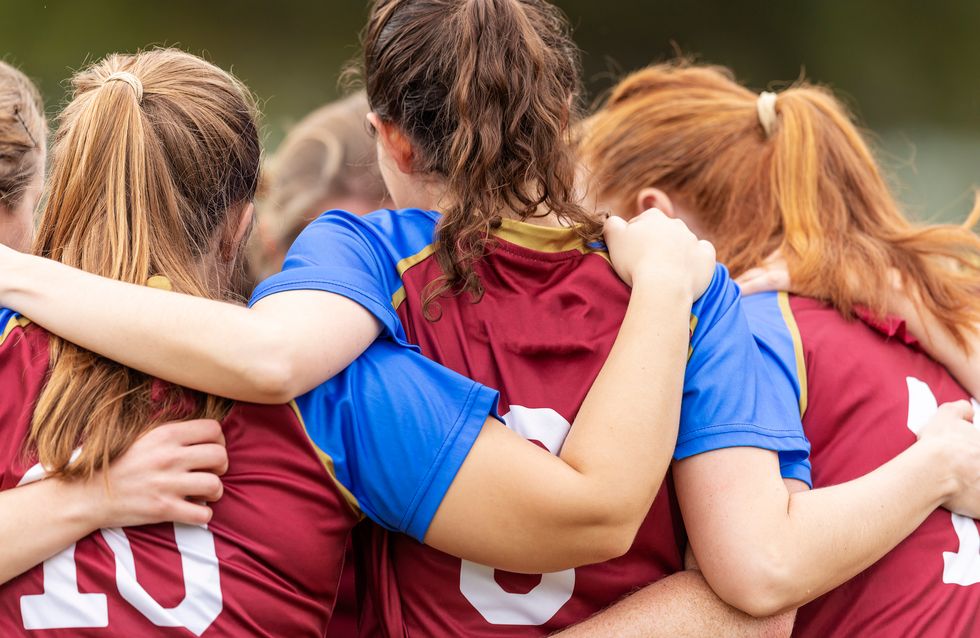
(432, 195)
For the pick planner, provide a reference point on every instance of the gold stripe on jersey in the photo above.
(405, 264)
(546, 239)
(794, 330)
(690, 337)
(16, 321)
(327, 461)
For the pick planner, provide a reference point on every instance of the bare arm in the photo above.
(282, 347)
(517, 507)
(682, 605)
(679, 606)
(764, 549)
(150, 483)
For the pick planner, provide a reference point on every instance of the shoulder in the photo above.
(14, 325)
(719, 299)
(400, 233)
(773, 320)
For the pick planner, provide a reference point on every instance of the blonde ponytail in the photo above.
(142, 178)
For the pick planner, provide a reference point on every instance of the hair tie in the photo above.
(130, 79)
(765, 106)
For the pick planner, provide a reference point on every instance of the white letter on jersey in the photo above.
(961, 567)
(477, 582)
(62, 606)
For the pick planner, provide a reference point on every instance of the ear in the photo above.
(394, 142)
(651, 197)
(229, 246)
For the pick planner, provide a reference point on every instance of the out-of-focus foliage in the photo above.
(910, 69)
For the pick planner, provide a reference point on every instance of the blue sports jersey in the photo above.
(735, 394)
(397, 428)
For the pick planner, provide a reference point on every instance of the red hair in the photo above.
(811, 189)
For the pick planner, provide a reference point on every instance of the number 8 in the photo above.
(476, 582)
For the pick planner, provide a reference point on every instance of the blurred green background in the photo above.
(910, 69)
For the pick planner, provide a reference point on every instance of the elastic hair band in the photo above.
(765, 106)
(130, 79)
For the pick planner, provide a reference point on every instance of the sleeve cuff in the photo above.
(707, 439)
(480, 404)
(345, 285)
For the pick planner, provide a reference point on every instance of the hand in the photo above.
(166, 466)
(653, 244)
(953, 430)
(773, 274)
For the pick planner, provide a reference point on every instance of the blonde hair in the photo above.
(811, 189)
(140, 185)
(23, 134)
(328, 155)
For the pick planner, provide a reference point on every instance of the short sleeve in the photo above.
(735, 393)
(355, 257)
(397, 428)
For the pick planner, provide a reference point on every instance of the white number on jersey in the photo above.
(62, 606)
(961, 567)
(477, 582)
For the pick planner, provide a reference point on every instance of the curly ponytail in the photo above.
(486, 90)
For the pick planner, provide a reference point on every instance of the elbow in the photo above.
(613, 534)
(272, 379)
(615, 541)
(761, 587)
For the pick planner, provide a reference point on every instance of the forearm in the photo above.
(39, 520)
(837, 532)
(765, 550)
(261, 356)
(681, 605)
(514, 506)
(627, 425)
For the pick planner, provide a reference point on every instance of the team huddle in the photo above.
(677, 366)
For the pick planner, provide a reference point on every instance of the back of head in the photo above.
(789, 172)
(152, 156)
(23, 135)
(328, 160)
(485, 90)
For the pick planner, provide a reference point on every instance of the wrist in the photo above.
(83, 503)
(939, 462)
(663, 283)
(15, 267)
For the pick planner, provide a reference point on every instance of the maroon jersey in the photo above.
(543, 370)
(866, 388)
(266, 565)
(550, 313)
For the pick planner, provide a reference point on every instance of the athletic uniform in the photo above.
(540, 336)
(865, 388)
(384, 439)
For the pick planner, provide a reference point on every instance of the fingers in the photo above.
(958, 410)
(766, 279)
(613, 228)
(209, 457)
(199, 485)
(190, 513)
(192, 432)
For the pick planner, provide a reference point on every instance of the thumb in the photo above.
(613, 228)
(959, 409)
